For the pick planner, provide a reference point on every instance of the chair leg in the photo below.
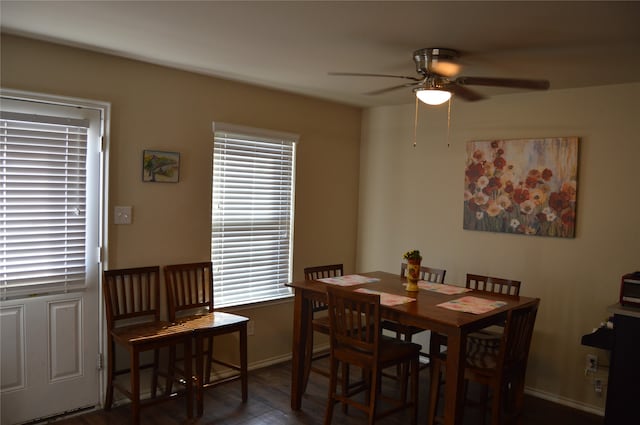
(404, 380)
(171, 370)
(154, 376)
(199, 379)
(244, 374)
(415, 384)
(135, 387)
(484, 401)
(434, 392)
(209, 360)
(308, 356)
(333, 383)
(400, 337)
(376, 376)
(188, 375)
(495, 405)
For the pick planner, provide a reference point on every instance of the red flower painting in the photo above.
(526, 187)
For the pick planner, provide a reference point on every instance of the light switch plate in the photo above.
(122, 215)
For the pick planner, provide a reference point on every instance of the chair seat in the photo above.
(147, 332)
(321, 324)
(483, 348)
(216, 320)
(403, 329)
(391, 350)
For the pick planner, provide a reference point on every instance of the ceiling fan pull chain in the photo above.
(415, 124)
(449, 122)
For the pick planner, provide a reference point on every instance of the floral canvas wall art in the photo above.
(526, 187)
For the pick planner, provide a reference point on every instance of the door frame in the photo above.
(104, 108)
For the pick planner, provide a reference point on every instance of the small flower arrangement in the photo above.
(414, 255)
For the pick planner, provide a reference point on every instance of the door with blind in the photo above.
(50, 234)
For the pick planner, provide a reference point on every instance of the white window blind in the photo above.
(42, 203)
(252, 215)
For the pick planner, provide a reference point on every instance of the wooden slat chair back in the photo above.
(321, 272)
(356, 340)
(190, 303)
(503, 371)
(318, 322)
(494, 285)
(132, 308)
(189, 289)
(355, 319)
(132, 293)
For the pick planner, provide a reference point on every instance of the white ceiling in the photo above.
(293, 45)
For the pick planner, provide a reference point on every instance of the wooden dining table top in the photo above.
(424, 311)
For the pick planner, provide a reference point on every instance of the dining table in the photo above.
(445, 312)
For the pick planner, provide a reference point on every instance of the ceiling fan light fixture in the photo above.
(433, 96)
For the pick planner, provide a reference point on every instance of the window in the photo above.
(252, 214)
(46, 162)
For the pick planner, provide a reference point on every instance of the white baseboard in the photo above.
(596, 410)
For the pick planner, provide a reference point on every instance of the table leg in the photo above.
(300, 326)
(454, 378)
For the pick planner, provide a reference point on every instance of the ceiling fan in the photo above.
(435, 84)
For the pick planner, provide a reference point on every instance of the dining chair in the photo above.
(190, 303)
(403, 332)
(502, 371)
(319, 322)
(488, 338)
(132, 307)
(356, 339)
(494, 285)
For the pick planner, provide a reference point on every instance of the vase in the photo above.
(413, 275)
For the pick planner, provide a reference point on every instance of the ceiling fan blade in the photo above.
(504, 82)
(463, 92)
(360, 74)
(388, 89)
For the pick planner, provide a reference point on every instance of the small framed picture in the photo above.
(160, 167)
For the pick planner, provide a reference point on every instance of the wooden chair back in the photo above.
(516, 339)
(493, 284)
(429, 274)
(320, 272)
(132, 295)
(355, 330)
(189, 288)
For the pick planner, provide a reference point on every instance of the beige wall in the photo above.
(412, 198)
(409, 198)
(160, 108)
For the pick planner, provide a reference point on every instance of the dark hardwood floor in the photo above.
(269, 404)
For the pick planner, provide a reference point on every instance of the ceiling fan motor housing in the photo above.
(427, 59)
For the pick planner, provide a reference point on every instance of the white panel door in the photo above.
(50, 340)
